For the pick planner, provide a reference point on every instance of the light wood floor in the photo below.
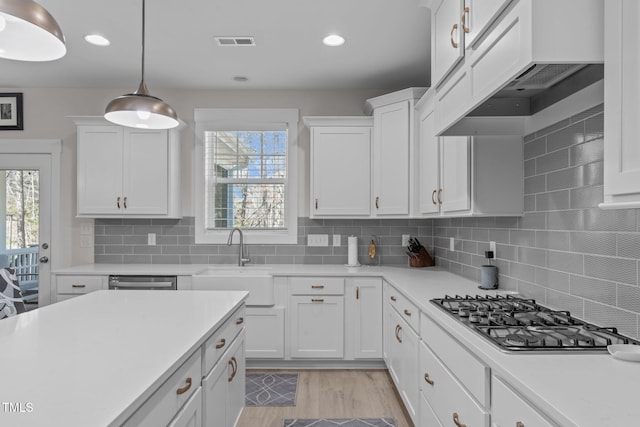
(334, 394)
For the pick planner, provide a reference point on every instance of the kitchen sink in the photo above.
(256, 280)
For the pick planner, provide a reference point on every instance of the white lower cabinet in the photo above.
(317, 326)
(224, 387)
(73, 285)
(427, 417)
(448, 398)
(265, 332)
(401, 352)
(363, 328)
(167, 401)
(191, 414)
(509, 409)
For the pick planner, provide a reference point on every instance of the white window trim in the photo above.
(208, 118)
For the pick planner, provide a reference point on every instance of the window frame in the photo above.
(207, 119)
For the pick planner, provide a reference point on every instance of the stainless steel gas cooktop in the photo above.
(519, 324)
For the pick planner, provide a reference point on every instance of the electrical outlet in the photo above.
(336, 240)
(318, 240)
(405, 239)
(86, 241)
(452, 244)
(151, 239)
(86, 228)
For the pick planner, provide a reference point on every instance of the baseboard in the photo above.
(315, 364)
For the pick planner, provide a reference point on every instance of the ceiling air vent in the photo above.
(235, 41)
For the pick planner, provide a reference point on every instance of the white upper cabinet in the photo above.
(340, 166)
(391, 159)
(466, 176)
(505, 39)
(477, 16)
(127, 172)
(455, 191)
(622, 105)
(447, 41)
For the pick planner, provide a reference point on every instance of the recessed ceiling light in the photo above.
(97, 40)
(241, 79)
(333, 40)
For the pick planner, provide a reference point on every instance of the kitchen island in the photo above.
(96, 359)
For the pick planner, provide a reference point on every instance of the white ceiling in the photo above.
(387, 45)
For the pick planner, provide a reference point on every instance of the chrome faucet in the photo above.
(241, 259)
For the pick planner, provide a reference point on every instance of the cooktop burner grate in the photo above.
(521, 324)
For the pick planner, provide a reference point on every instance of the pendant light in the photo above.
(140, 109)
(29, 33)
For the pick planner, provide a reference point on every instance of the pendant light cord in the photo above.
(143, 19)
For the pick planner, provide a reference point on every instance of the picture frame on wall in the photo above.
(11, 111)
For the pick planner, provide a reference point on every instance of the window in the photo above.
(246, 174)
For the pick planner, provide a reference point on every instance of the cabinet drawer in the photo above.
(509, 409)
(449, 400)
(464, 366)
(79, 284)
(407, 310)
(219, 342)
(167, 401)
(317, 285)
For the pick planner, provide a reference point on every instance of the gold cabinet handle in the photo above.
(316, 203)
(393, 298)
(519, 424)
(234, 369)
(317, 300)
(453, 43)
(433, 197)
(118, 202)
(464, 20)
(427, 379)
(125, 202)
(317, 286)
(78, 286)
(183, 390)
(240, 321)
(398, 330)
(407, 312)
(457, 421)
(440, 196)
(377, 202)
(358, 292)
(221, 344)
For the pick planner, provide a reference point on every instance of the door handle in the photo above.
(44, 259)
(464, 20)
(453, 43)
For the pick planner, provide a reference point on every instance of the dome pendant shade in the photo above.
(28, 32)
(141, 110)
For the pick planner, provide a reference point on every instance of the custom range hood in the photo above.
(537, 55)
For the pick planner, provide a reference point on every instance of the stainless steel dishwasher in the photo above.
(168, 283)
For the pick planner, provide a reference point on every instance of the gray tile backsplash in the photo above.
(124, 241)
(565, 251)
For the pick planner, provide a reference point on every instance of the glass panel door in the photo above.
(24, 225)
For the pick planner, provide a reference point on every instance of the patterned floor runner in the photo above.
(271, 389)
(342, 422)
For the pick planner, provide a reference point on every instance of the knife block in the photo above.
(422, 259)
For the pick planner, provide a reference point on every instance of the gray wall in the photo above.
(125, 241)
(565, 252)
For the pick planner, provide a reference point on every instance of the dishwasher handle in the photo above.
(142, 285)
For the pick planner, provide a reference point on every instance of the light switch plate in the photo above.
(318, 240)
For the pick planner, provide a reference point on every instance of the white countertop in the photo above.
(580, 390)
(91, 360)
